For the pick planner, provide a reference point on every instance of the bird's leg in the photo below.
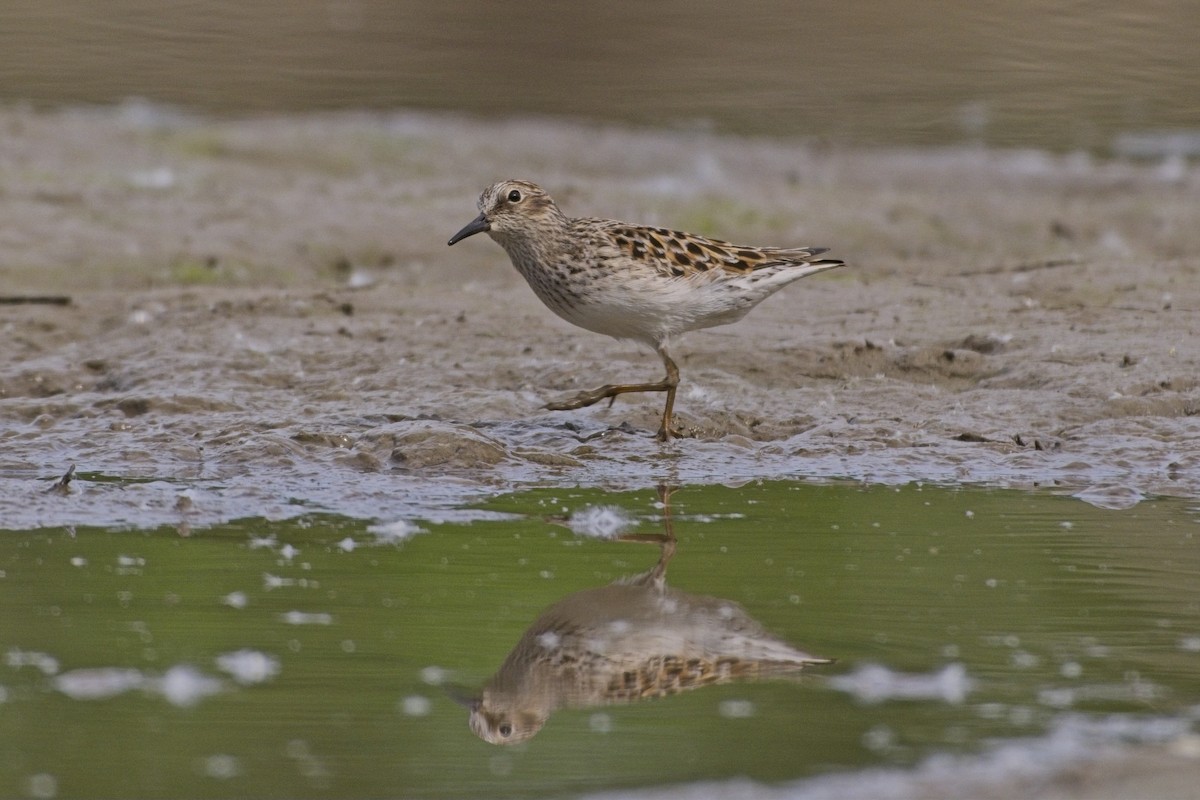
(667, 384)
(672, 382)
(668, 544)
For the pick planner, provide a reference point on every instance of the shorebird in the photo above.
(634, 282)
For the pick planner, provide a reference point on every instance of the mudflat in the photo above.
(273, 298)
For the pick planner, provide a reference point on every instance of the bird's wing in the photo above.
(679, 254)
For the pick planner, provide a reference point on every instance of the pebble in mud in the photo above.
(422, 444)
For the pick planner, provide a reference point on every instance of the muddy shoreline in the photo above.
(273, 299)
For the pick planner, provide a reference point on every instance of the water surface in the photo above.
(321, 656)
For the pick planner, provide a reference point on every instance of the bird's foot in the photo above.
(672, 431)
(584, 399)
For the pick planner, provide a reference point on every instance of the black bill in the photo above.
(477, 225)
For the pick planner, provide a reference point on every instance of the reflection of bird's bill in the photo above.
(467, 698)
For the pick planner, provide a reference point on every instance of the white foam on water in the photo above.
(874, 683)
(17, 658)
(736, 709)
(600, 722)
(1008, 769)
(276, 582)
(221, 766)
(184, 685)
(248, 666)
(181, 685)
(433, 675)
(416, 705)
(307, 618)
(42, 785)
(98, 683)
(394, 532)
(601, 522)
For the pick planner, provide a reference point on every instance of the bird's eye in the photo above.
(514, 196)
(506, 729)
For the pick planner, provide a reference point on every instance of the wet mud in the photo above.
(263, 316)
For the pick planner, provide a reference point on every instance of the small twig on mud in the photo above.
(34, 299)
(1032, 266)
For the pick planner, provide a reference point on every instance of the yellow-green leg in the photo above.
(667, 384)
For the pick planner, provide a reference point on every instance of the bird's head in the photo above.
(512, 210)
(497, 724)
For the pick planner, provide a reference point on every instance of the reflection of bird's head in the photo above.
(502, 725)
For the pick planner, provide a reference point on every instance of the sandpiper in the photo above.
(632, 281)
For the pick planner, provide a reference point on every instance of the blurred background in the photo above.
(1109, 77)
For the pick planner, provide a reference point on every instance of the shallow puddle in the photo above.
(324, 656)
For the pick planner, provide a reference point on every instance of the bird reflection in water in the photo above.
(635, 639)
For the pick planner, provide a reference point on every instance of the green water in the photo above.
(1049, 605)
